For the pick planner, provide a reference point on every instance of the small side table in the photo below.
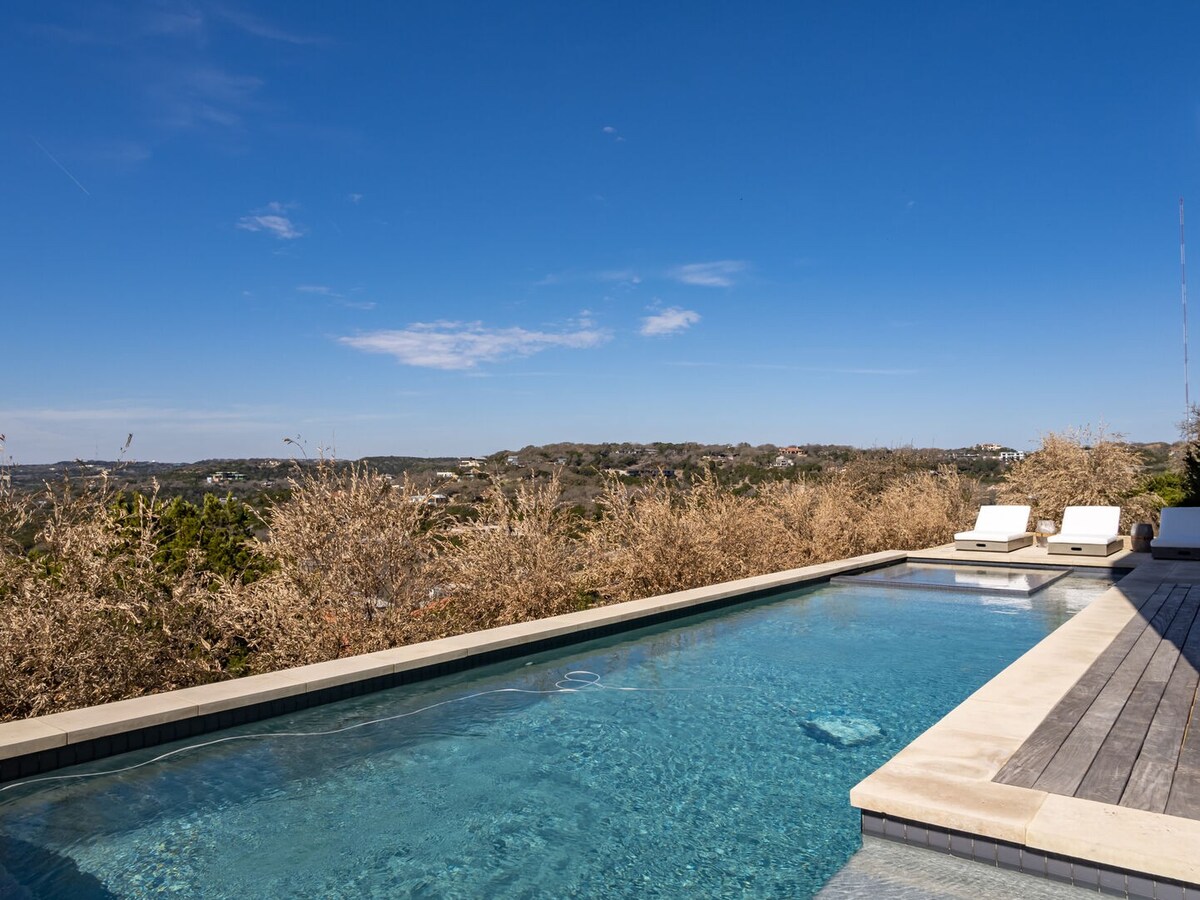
(1045, 528)
(1141, 535)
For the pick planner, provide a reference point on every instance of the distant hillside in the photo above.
(582, 467)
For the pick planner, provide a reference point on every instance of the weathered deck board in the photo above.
(1128, 732)
(1185, 793)
(1150, 782)
(1185, 787)
(1110, 771)
(1065, 772)
(1030, 761)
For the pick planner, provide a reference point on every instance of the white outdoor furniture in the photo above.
(1088, 531)
(1178, 534)
(997, 528)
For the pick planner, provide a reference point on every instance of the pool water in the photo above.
(710, 757)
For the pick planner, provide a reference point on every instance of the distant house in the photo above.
(448, 476)
(989, 448)
(513, 460)
(429, 499)
(470, 463)
(561, 461)
(1012, 455)
(793, 450)
(783, 462)
(222, 477)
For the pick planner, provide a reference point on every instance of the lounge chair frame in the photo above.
(1177, 537)
(996, 530)
(995, 546)
(1084, 548)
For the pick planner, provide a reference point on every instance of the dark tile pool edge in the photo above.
(1084, 873)
(1116, 572)
(39, 762)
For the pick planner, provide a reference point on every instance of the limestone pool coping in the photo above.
(23, 738)
(944, 777)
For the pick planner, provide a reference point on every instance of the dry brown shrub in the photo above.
(816, 522)
(87, 619)
(1081, 467)
(655, 538)
(517, 561)
(919, 509)
(353, 551)
(364, 565)
(658, 539)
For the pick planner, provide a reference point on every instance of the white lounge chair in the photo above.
(1178, 534)
(1088, 531)
(997, 528)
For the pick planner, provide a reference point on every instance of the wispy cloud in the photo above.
(272, 220)
(174, 53)
(709, 274)
(612, 132)
(173, 20)
(261, 28)
(670, 321)
(354, 198)
(194, 96)
(465, 345)
(117, 24)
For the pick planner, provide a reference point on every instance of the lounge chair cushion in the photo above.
(1178, 527)
(1089, 524)
(997, 523)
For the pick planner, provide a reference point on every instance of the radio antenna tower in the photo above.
(1187, 400)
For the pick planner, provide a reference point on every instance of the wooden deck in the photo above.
(1128, 732)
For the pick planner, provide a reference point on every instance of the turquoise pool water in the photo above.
(710, 757)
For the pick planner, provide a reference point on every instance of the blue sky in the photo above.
(451, 228)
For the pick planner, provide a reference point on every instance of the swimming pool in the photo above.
(710, 757)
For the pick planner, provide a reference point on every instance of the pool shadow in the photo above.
(30, 872)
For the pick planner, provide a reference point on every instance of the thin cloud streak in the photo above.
(625, 278)
(127, 414)
(783, 367)
(52, 159)
(324, 290)
(465, 345)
